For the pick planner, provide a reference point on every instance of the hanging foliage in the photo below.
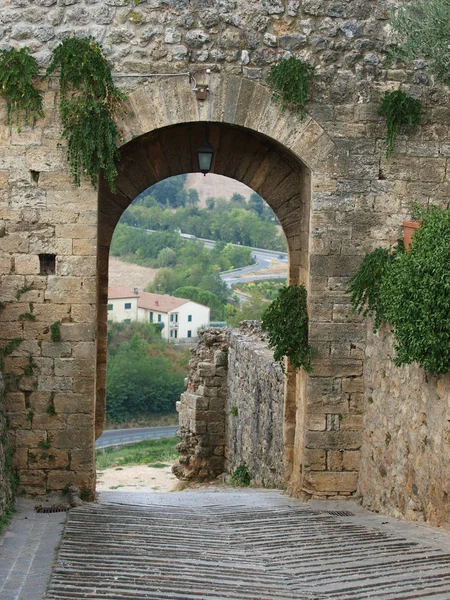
(88, 101)
(399, 110)
(290, 80)
(411, 292)
(286, 320)
(364, 286)
(23, 100)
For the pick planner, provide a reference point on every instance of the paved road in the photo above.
(114, 437)
(244, 545)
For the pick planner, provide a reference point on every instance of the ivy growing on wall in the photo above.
(411, 292)
(88, 102)
(399, 110)
(17, 72)
(286, 321)
(290, 80)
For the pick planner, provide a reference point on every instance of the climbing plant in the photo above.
(422, 30)
(290, 80)
(24, 102)
(88, 102)
(286, 321)
(364, 286)
(411, 292)
(399, 110)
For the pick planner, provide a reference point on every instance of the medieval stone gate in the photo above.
(326, 177)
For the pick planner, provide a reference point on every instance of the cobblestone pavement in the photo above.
(27, 552)
(244, 544)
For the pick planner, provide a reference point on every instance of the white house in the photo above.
(181, 318)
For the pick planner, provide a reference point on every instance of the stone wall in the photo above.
(6, 492)
(326, 177)
(255, 407)
(232, 412)
(405, 457)
(202, 409)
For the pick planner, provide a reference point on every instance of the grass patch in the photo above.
(155, 420)
(142, 453)
(6, 517)
(158, 465)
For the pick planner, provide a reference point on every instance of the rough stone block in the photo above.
(315, 460)
(334, 460)
(326, 481)
(351, 460)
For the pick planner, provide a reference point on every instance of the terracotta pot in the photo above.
(409, 227)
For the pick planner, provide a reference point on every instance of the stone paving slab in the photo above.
(244, 545)
(27, 552)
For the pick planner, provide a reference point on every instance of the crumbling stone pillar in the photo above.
(202, 409)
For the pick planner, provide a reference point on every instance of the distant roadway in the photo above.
(263, 260)
(116, 437)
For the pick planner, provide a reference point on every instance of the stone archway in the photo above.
(274, 153)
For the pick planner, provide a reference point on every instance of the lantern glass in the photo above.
(205, 154)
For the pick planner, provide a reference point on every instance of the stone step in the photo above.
(214, 551)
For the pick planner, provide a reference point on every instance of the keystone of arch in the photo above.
(162, 102)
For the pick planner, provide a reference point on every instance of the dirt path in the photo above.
(138, 478)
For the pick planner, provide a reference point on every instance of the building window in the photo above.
(151, 317)
(189, 333)
(171, 333)
(127, 305)
(159, 319)
(127, 320)
(110, 306)
(171, 318)
(190, 318)
(176, 333)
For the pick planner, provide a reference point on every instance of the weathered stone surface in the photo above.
(405, 454)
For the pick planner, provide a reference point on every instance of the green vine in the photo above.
(286, 320)
(55, 331)
(399, 110)
(23, 100)
(365, 284)
(411, 292)
(290, 80)
(88, 101)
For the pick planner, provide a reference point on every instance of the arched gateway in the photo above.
(296, 167)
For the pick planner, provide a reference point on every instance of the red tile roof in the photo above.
(157, 302)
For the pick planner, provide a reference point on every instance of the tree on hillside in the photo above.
(204, 297)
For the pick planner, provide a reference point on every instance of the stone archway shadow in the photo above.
(279, 156)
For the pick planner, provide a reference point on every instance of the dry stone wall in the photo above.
(202, 409)
(405, 462)
(255, 408)
(232, 412)
(6, 492)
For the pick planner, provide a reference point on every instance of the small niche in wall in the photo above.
(34, 175)
(47, 264)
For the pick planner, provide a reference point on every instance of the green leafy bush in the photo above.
(415, 293)
(422, 29)
(411, 292)
(290, 80)
(286, 320)
(88, 101)
(241, 476)
(399, 110)
(23, 100)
